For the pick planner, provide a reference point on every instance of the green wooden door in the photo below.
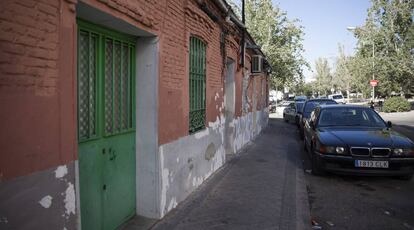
(106, 121)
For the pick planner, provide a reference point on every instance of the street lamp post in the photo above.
(353, 28)
(373, 71)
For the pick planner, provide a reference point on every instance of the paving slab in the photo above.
(261, 187)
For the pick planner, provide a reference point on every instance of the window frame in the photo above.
(102, 35)
(197, 84)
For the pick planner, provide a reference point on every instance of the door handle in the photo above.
(112, 155)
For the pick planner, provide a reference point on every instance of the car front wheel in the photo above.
(406, 177)
(317, 169)
(305, 147)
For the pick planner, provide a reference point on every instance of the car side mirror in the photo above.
(389, 124)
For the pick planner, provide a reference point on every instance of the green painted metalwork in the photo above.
(106, 121)
(197, 85)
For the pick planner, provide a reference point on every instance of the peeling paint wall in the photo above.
(186, 163)
(42, 200)
(244, 130)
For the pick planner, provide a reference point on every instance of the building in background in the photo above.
(112, 109)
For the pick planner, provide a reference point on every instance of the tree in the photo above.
(385, 47)
(280, 40)
(342, 76)
(323, 75)
(307, 89)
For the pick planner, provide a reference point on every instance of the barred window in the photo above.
(197, 84)
(105, 82)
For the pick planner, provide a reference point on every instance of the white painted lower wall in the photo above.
(187, 162)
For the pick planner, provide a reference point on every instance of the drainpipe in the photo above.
(243, 35)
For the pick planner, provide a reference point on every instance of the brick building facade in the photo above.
(98, 103)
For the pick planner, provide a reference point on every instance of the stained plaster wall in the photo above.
(187, 162)
(43, 200)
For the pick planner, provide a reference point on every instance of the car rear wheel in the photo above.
(285, 119)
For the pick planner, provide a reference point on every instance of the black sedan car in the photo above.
(306, 110)
(356, 140)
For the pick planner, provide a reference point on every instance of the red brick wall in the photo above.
(38, 73)
(173, 74)
(174, 77)
(36, 85)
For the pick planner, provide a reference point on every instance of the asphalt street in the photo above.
(355, 202)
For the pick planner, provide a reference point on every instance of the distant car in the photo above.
(301, 98)
(339, 98)
(272, 106)
(281, 106)
(351, 139)
(290, 113)
(307, 109)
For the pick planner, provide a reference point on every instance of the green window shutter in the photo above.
(197, 85)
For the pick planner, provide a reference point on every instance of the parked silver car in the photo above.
(290, 113)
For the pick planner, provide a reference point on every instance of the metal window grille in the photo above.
(105, 82)
(87, 70)
(118, 86)
(197, 83)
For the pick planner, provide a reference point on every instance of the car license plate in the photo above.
(371, 164)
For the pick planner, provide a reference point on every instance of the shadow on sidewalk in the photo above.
(261, 187)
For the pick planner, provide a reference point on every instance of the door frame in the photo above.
(229, 105)
(128, 42)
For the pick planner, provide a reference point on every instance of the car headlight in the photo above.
(326, 149)
(340, 150)
(331, 149)
(400, 152)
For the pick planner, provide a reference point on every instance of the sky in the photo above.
(325, 23)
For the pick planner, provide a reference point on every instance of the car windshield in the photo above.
(312, 104)
(337, 97)
(350, 117)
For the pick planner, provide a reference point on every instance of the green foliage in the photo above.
(324, 83)
(385, 48)
(307, 90)
(280, 40)
(342, 78)
(396, 104)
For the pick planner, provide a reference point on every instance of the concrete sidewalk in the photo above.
(262, 187)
